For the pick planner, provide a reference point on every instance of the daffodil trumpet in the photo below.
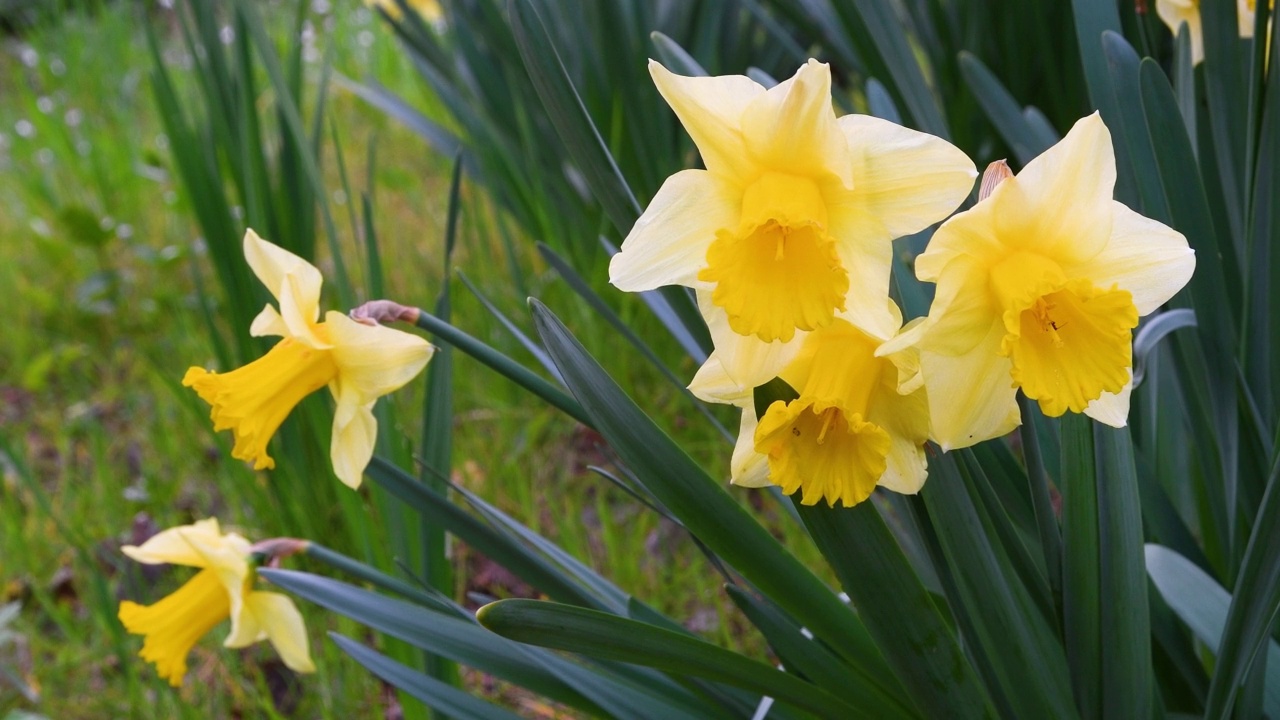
(221, 590)
(790, 224)
(857, 420)
(1039, 287)
(357, 361)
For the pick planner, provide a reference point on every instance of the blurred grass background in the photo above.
(99, 256)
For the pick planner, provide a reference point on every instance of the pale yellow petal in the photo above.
(269, 323)
(373, 360)
(903, 180)
(1112, 408)
(961, 315)
(906, 419)
(668, 244)
(710, 108)
(177, 546)
(272, 264)
(355, 431)
(1149, 259)
(748, 468)
(971, 234)
(280, 622)
(746, 359)
(792, 127)
(867, 258)
(906, 467)
(971, 396)
(713, 384)
(1176, 12)
(1060, 204)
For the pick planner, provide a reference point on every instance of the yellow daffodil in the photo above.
(1039, 287)
(222, 589)
(359, 363)
(791, 223)
(430, 10)
(860, 421)
(1176, 12)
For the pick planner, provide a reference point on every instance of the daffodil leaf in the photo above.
(1227, 104)
(1203, 604)
(596, 691)
(717, 519)
(1130, 134)
(525, 341)
(584, 291)
(675, 58)
(1003, 111)
(773, 391)
(898, 611)
(799, 653)
(601, 635)
(1015, 649)
(436, 509)
(1255, 604)
(569, 116)
(437, 695)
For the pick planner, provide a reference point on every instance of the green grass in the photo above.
(102, 319)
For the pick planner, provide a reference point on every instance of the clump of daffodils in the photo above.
(221, 590)
(786, 237)
(791, 223)
(358, 363)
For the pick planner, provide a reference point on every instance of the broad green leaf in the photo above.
(1017, 652)
(590, 690)
(1128, 127)
(499, 547)
(1128, 684)
(675, 58)
(1092, 19)
(584, 291)
(898, 611)
(799, 652)
(597, 634)
(379, 579)
(437, 695)
(1024, 139)
(708, 511)
(1255, 604)
(1203, 604)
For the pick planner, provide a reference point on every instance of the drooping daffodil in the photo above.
(359, 363)
(791, 222)
(859, 421)
(222, 589)
(1039, 287)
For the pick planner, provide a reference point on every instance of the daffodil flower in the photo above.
(430, 10)
(1039, 287)
(792, 221)
(222, 589)
(860, 420)
(359, 363)
(1176, 12)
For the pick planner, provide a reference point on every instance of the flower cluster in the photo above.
(786, 237)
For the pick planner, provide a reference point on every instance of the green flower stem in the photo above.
(1046, 521)
(503, 365)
